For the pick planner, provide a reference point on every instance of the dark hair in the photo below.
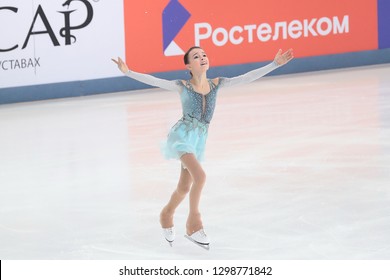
(186, 59)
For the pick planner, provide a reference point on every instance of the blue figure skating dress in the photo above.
(189, 134)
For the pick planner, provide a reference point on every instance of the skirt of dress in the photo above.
(188, 135)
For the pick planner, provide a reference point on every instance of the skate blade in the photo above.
(170, 242)
(204, 246)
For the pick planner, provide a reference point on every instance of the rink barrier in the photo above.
(122, 83)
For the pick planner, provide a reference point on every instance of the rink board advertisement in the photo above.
(54, 41)
(51, 41)
(245, 31)
(384, 23)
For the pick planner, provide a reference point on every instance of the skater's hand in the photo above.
(121, 65)
(283, 58)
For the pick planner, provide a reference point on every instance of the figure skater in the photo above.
(187, 138)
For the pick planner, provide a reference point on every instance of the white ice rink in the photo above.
(298, 167)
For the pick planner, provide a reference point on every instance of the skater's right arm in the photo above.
(148, 79)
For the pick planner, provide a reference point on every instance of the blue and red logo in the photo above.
(157, 31)
(174, 17)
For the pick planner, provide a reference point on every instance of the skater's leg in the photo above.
(183, 187)
(194, 222)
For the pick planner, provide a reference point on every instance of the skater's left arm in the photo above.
(279, 60)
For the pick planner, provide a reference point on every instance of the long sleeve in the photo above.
(156, 82)
(249, 76)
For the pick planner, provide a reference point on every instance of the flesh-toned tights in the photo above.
(192, 180)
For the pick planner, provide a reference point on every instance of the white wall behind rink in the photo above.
(87, 56)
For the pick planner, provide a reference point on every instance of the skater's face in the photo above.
(198, 61)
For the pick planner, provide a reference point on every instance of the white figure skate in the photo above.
(199, 238)
(169, 235)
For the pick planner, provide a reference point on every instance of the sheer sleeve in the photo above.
(249, 76)
(175, 85)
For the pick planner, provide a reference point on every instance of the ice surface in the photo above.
(298, 167)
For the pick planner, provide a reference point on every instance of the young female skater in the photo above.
(187, 138)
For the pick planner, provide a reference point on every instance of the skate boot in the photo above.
(200, 238)
(169, 234)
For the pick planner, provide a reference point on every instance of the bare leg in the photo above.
(183, 187)
(194, 222)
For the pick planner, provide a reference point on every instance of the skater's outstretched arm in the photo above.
(279, 60)
(148, 79)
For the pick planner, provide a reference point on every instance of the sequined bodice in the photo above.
(199, 106)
